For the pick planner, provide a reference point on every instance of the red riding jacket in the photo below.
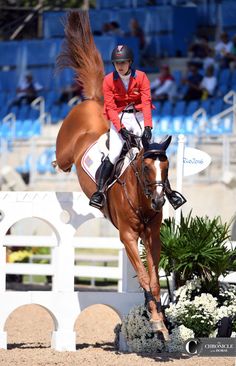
(116, 97)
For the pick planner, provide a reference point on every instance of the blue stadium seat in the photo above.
(10, 53)
(2, 98)
(52, 24)
(106, 4)
(65, 108)
(163, 126)
(179, 108)
(55, 113)
(177, 124)
(43, 164)
(222, 90)
(206, 104)
(105, 45)
(26, 167)
(189, 126)
(23, 112)
(27, 130)
(217, 106)
(224, 77)
(167, 108)
(40, 52)
(177, 74)
(8, 80)
(192, 106)
(44, 76)
(36, 128)
(33, 114)
(63, 79)
(6, 131)
(98, 18)
(3, 111)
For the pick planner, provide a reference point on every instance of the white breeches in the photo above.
(116, 141)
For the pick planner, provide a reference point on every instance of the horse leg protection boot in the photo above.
(175, 198)
(98, 197)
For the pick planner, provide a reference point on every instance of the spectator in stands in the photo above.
(208, 83)
(193, 83)
(137, 31)
(232, 54)
(71, 91)
(113, 29)
(26, 91)
(164, 86)
(210, 60)
(199, 50)
(222, 49)
(106, 27)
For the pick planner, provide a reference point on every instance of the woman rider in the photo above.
(127, 104)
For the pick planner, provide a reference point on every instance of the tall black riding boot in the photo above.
(175, 198)
(98, 197)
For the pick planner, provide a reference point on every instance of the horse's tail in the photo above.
(80, 53)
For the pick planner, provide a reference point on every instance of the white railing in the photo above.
(89, 271)
(39, 104)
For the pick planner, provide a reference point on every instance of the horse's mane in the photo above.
(80, 53)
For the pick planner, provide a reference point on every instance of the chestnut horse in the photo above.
(134, 203)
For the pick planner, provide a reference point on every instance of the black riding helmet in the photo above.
(122, 53)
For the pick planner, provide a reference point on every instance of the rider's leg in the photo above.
(116, 144)
(97, 199)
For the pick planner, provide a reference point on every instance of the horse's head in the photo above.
(155, 173)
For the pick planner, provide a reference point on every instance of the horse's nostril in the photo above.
(157, 204)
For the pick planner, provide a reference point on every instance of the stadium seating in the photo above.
(168, 30)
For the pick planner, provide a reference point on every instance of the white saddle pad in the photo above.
(94, 155)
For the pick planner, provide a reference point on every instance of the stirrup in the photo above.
(176, 199)
(97, 200)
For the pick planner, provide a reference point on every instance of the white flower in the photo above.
(177, 338)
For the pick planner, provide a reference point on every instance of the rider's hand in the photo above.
(146, 136)
(125, 134)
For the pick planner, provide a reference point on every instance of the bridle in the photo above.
(144, 182)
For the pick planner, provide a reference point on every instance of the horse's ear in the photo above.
(165, 144)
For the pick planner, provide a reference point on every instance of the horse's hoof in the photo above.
(159, 326)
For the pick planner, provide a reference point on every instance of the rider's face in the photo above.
(122, 67)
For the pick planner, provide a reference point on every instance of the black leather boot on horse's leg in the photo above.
(175, 198)
(98, 197)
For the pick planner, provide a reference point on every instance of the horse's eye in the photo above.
(163, 158)
(146, 169)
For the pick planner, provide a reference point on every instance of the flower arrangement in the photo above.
(194, 314)
(19, 256)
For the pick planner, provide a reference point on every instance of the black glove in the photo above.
(146, 136)
(125, 134)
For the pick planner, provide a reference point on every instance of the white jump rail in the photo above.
(108, 243)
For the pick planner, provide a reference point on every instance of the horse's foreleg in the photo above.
(153, 249)
(130, 241)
